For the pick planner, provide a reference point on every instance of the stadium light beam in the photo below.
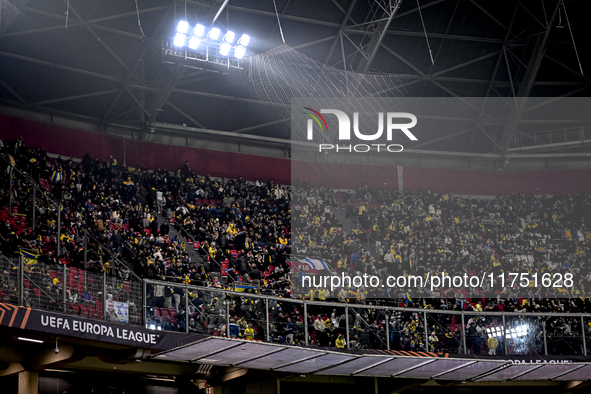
(194, 42)
(182, 27)
(225, 48)
(199, 30)
(239, 52)
(244, 40)
(214, 33)
(229, 37)
(179, 39)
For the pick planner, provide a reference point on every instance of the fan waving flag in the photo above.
(242, 288)
(29, 259)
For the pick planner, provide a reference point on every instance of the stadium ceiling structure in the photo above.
(102, 60)
(289, 359)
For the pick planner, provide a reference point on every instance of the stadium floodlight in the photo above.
(214, 33)
(194, 42)
(225, 48)
(244, 40)
(179, 39)
(199, 30)
(182, 27)
(229, 37)
(239, 52)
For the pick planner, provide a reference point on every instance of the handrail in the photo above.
(113, 256)
(379, 307)
(200, 246)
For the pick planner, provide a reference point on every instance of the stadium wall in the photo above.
(74, 143)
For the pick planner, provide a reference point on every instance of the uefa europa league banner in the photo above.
(94, 330)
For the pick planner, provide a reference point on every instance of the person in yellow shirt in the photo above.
(340, 342)
(478, 307)
(212, 250)
(249, 332)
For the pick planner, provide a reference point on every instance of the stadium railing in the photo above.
(161, 305)
(217, 312)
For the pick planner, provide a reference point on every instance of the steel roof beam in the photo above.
(528, 81)
(494, 75)
(126, 14)
(12, 92)
(183, 113)
(59, 66)
(79, 96)
(130, 74)
(378, 38)
(17, 4)
(333, 45)
(353, 30)
(223, 97)
(37, 30)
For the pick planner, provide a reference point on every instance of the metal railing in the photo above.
(94, 295)
(169, 306)
(369, 326)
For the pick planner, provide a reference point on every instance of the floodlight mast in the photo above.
(225, 3)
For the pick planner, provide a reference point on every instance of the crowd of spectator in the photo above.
(180, 227)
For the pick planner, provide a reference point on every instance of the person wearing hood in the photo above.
(340, 342)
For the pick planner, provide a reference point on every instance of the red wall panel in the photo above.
(440, 180)
(60, 140)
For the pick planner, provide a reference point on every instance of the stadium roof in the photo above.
(281, 358)
(101, 60)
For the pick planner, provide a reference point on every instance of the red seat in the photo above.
(157, 312)
(75, 309)
(26, 283)
(37, 292)
(84, 311)
(91, 311)
(172, 312)
(80, 287)
(164, 312)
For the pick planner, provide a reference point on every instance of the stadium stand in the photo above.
(232, 241)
